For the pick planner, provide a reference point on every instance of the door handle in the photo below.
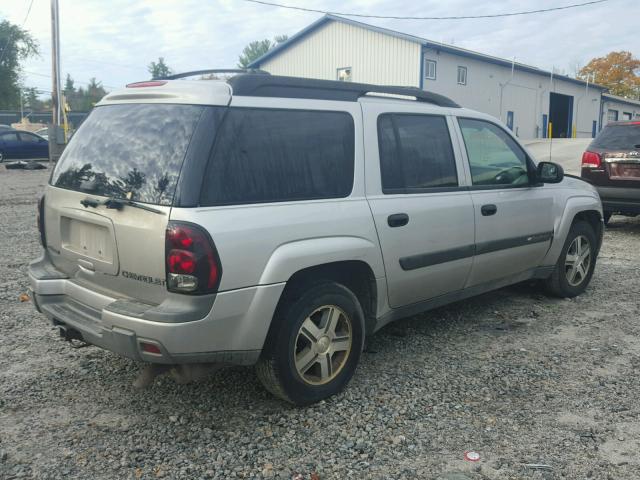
(489, 209)
(398, 220)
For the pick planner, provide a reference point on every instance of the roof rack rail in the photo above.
(176, 76)
(293, 87)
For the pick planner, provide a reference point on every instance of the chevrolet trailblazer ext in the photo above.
(276, 221)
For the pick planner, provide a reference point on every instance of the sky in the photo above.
(115, 40)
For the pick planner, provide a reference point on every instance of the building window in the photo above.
(612, 115)
(462, 75)
(626, 116)
(344, 74)
(429, 69)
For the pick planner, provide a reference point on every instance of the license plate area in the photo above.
(89, 240)
(624, 171)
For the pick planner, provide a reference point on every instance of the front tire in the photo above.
(314, 346)
(576, 263)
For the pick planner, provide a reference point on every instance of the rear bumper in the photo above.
(617, 199)
(233, 332)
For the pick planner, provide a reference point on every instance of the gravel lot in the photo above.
(514, 375)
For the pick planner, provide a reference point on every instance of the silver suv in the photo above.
(278, 221)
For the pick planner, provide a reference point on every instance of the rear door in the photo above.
(513, 218)
(423, 217)
(123, 153)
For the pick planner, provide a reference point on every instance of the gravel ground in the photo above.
(518, 377)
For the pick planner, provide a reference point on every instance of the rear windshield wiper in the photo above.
(117, 204)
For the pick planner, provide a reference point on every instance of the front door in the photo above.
(513, 217)
(423, 217)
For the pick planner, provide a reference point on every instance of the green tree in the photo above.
(618, 71)
(30, 99)
(16, 45)
(159, 70)
(258, 48)
(83, 99)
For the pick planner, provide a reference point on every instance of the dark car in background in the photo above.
(19, 145)
(612, 164)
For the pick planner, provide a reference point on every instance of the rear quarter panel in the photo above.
(267, 243)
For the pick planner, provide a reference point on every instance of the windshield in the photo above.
(132, 151)
(618, 137)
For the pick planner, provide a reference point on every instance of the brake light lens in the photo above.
(40, 220)
(152, 83)
(591, 160)
(192, 262)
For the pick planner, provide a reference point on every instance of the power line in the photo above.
(456, 17)
(10, 36)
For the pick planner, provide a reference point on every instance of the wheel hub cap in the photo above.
(323, 345)
(578, 260)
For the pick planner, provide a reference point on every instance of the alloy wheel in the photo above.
(578, 260)
(323, 345)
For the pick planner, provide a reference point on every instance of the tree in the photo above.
(83, 99)
(258, 48)
(618, 71)
(31, 100)
(16, 45)
(159, 70)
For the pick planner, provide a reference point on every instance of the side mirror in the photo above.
(549, 172)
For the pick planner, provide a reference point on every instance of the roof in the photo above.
(411, 38)
(260, 85)
(616, 98)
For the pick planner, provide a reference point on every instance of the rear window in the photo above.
(618, 137)
(129, 151)
(273, 155)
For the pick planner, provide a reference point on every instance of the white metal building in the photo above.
(526, 98)
(616, 108)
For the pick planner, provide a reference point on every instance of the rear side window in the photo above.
(272, 155)
(9, 137)
(618, 137)
(415, 153)
(132, 151)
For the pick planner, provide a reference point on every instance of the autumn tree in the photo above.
(618, 71)
(258, 48)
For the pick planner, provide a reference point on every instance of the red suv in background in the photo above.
(612, 164)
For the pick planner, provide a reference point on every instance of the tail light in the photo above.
(591, 160)
(150, 83)
(40, 220)
(192, 262)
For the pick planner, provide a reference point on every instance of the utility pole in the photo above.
(56, 139)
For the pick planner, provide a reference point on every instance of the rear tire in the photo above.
(576, 263)
(314, 346)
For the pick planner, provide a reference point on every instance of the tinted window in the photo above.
(494, 157)
(618, 137)
(415, 153)
(25, 137)
(129, 151)
(270, 155)
(9, 137)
